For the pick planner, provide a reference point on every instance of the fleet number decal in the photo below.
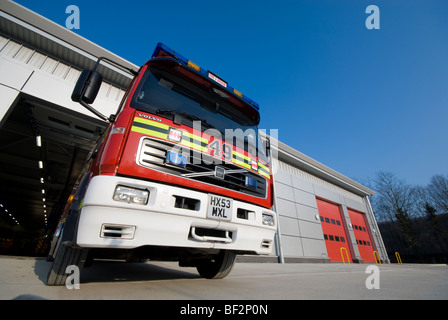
(223, 150)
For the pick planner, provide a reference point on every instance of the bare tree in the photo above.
(393, 197)
(395, 201)
(412, 214)
(438, 192)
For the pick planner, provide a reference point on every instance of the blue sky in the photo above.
(357, 100)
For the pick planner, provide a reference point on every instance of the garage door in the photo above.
(334, 231)
(362, 235)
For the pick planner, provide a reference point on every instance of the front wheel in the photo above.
(64, 257)
(217, 267)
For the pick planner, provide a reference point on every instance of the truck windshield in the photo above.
(167, 94)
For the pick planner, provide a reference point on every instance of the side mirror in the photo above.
(86, 90)
(87, 86)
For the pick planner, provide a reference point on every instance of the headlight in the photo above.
(268, 219)
(131, 195)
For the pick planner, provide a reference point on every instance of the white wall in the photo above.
(22, 69)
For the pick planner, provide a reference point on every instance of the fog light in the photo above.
(131, 195)
(251, 182)
(175, 159)
(268, 220)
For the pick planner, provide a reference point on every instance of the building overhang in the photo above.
(36, 31)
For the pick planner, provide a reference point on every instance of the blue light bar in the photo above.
(162, 50)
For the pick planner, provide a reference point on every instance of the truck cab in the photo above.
(180, 174)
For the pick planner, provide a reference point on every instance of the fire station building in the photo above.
(45, 137)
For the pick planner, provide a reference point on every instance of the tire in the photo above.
(66, 232)
(55, 244)
(64, 257)
(218, 267)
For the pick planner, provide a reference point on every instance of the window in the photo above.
(337, 238)
(327, 220)
(331, 238)
(342, 239)
(338, 222)
(332, 221)
(325, 237)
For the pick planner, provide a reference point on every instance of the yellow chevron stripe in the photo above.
(152, 123)
(149, 132)
(241, 163)
(264, 174)
(263, 166)
(195, 137)
(238, 154)
(188, 143)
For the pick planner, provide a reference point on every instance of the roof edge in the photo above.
(314, 167)
(40, 22)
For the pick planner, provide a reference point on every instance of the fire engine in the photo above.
(180, 174)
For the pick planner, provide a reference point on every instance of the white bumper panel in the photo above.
(106, 223)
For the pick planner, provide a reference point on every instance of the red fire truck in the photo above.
(180, 174)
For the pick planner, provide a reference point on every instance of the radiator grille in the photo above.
(153, 154)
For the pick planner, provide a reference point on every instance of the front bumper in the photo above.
(106, 223)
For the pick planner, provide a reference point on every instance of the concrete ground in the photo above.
(24, 277)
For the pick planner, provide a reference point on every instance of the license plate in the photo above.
(219, 208)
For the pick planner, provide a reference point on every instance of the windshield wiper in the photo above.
(184, 115)
(177, 118)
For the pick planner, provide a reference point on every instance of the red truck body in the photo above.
(181, 173)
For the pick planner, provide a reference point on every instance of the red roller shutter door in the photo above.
(334, 231)
(365, 244)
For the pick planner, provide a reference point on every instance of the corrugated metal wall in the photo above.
(34, 73)
(301, 233)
